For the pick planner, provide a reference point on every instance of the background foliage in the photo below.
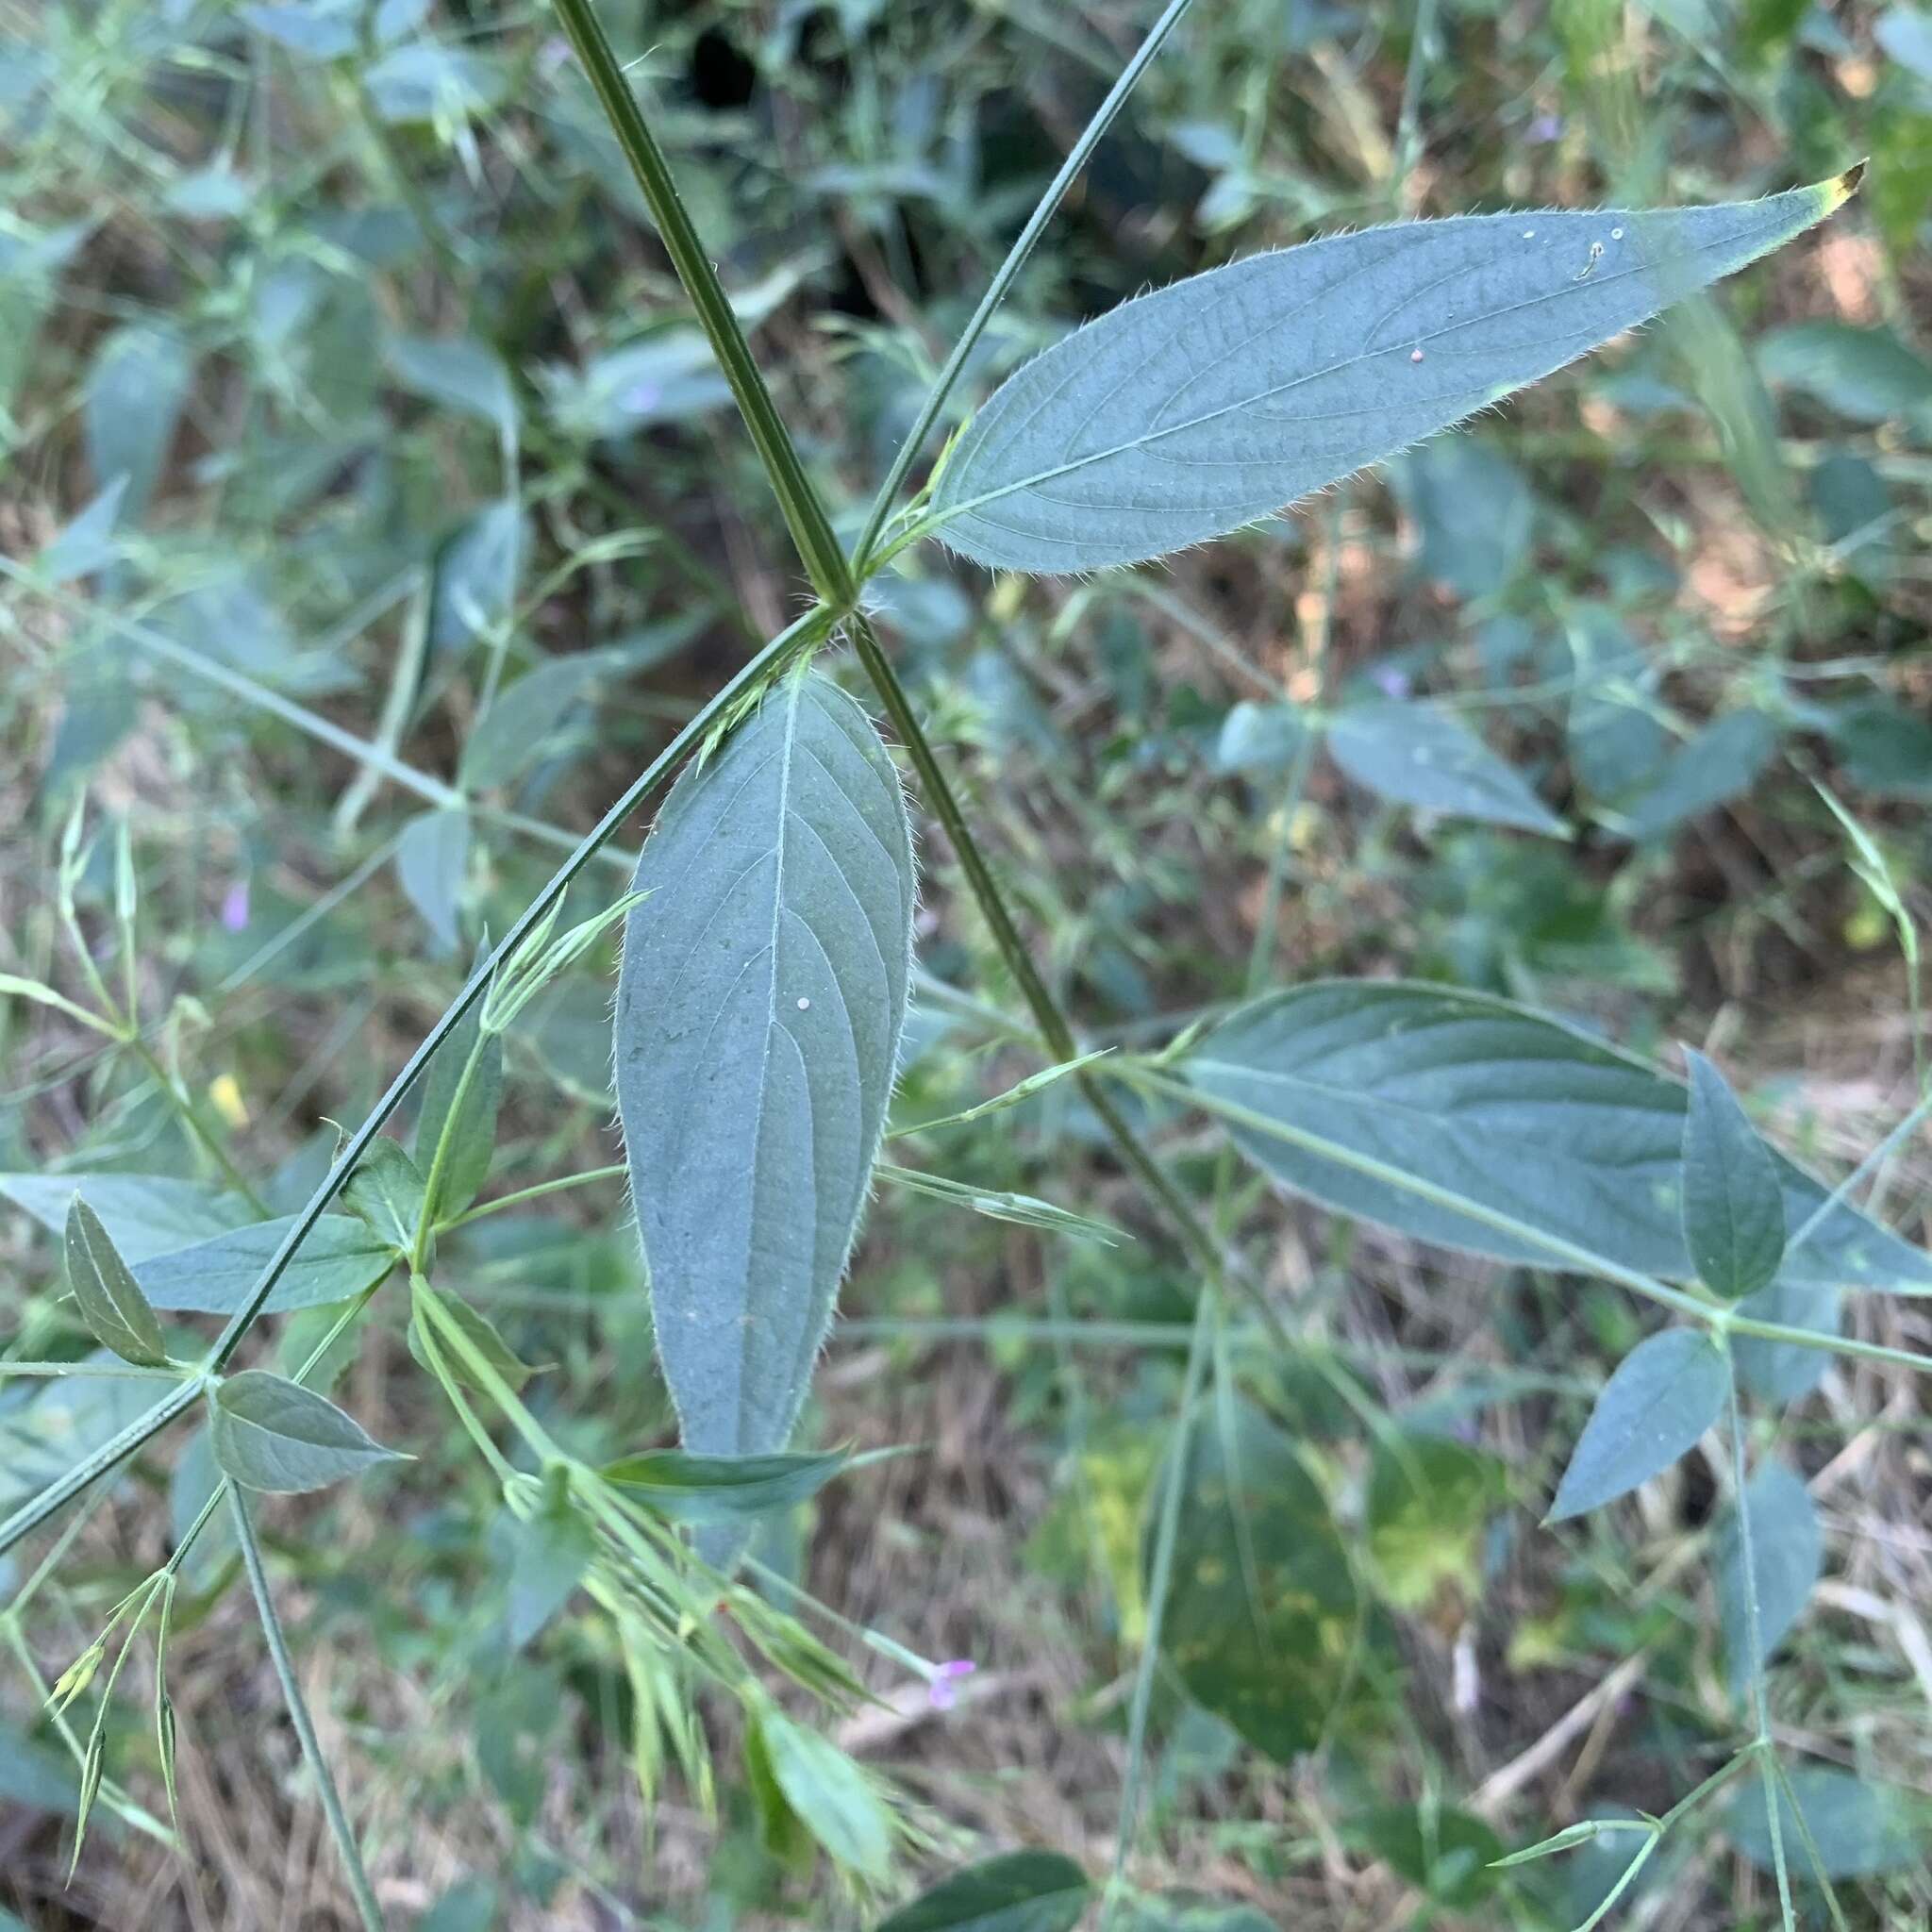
(375, 510)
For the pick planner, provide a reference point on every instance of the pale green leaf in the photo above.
(144, 1214)
(111, 1303)
(1186, 414)
(716, 1489)
(1787, 1553)
(1424, 756)
(1861, 1828)
(1664, 1394)
(759, 1016)
(1734, 1203)
(1410, 1104)
(338, 1260)
(832, 1797)
(268, 1433)
(431, 857)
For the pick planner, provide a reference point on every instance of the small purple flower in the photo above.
(1392, 682)
(939, 1690)
(1545, 129)
(640, 398)
(235, 906)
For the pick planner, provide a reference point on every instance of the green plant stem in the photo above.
(1007, 274)
(832, 576)
(1160, 1573)
(804, 516)
(806, 631)
(299, 1715)
(190, 1117)
(1761, 1745)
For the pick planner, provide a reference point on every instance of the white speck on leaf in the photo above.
(804, 1005)
(1415, 354)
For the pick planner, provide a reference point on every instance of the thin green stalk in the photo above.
(37, 1508)
(804, 516)
(1161, 1574)
(1760, 1703)
(537, 1194)
(299, 1715)
(831, 574)
(1007, 272)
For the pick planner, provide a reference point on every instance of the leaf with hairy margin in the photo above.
(1182, 415)
(1413, 1105)
(759, 1016)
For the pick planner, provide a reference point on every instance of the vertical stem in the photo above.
(1007, 272)
(1761, 1743)
(299, 1715)
(1160, 1574)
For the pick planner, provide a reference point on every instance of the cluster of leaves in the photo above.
(769, 994)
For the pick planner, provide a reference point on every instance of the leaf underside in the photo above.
(1504, 1108)
(759, 1016)
(1211, 404)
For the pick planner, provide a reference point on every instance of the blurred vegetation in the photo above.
(373, 511)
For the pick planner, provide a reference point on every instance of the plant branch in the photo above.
(299, 1715)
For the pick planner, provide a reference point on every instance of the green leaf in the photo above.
(546, 1555)
(1734, 1201)
(1017, 1892)
(1665, 1393)
(1423, 756)
(1721, 763)
(338, 1260)
(268, 1433)
(1261, 1608)
(1866, 375)
(1474, 513)
(758, 1015)
(385, 1192)
(1785, 1370)
(724, 1489)
(35, 1778)
(477, 575)
(1449, 1854)
(480, 1332)
(1261, 737)
(831, 1797)
(1863, 1829)
(457, 372)
(134, 392)
(1429, 1499)
(1787, 1553)
(111, 1303)
(467, 1166)
(1490, 1104)
(431, 858)
(144, 1214)
(1211, 404)
(1885, 749)
(519, 726)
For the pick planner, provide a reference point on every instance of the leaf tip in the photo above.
(1841, 189)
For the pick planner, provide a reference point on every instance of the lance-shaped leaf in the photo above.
(1186, 414)
(1477, 1124)
(1665, 1393)
(110, 1300)
(1016, 1891)
(1734, 1208)
(758, 1015)
(268, 1433)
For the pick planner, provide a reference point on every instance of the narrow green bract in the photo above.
(758, 1017)
(1186, 414)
